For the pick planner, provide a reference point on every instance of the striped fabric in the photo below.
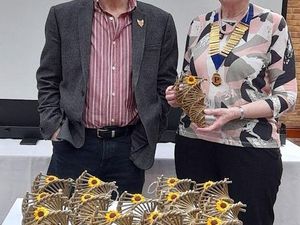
(110, 100)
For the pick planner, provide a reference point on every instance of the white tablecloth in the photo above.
(20, 164)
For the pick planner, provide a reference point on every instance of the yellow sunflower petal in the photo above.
(190, 80)
(41, 196)
(153, 215)
(222, 206)
(172, 196)
(172, 181)
(214, 221)
(208, 184)
(137, 198)
(40, 213)
(86, 197)
(112, 215)
(94, 182)
(50, 179)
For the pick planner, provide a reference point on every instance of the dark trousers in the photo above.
(255, 173)
(107, 159)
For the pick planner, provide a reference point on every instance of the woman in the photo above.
(245, 54)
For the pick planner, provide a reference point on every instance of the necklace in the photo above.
(218, 56)
(235, 19)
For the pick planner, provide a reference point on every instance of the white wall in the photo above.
(22, 37)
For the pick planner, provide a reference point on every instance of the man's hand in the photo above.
(54, 136)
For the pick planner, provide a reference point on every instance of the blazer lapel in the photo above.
(139, 25)
(85, 18)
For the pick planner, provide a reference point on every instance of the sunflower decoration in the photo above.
(172, 196)
(94, 182)
(51, 184)
(190, 80)
(167, 200)
(217, 189)
(41, 180)
(172, 181)
(204, 219)
(82, 200)
(88, 207)
(132, 202)
(32, 199)
(166, 184)
(86, 197)
(62, 186)
(104, 189)
(50, 179)
(54, 201)
(208, 184)
(214, 221)
(137, 198)
(186, 201)
(190, 97)
(224, 209)
(153, 216)
(44, 215)
(222, 206)
(40, 213)
(111, 216)
(41, 195)
(87, 182)
(173, 217)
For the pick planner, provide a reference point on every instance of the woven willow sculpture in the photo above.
(56, 201)
(218, 190)
(89, 183)
(52, 184)
(190, 98)
(165, 184)
(87, 205)
(42, 215)
(178, 202)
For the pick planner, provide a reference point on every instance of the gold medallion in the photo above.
(216, 79)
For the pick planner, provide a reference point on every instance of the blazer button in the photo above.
(82, 93)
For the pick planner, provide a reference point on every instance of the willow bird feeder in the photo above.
(190, 98)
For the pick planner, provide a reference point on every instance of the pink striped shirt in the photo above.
(110, 100)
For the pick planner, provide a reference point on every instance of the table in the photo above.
(19, 165)
(25, 162)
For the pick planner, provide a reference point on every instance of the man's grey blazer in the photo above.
(64, 72)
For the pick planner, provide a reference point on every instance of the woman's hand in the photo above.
(171, 97)
(222, 115)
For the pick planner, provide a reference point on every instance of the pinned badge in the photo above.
(140, 22)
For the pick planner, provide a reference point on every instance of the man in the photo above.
(101, 81)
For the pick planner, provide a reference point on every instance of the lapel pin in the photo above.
(140, 22)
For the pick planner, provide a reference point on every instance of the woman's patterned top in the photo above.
(261, 66)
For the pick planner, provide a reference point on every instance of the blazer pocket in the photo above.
(138, 138)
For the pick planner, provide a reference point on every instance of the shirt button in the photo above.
(112, 120)
(113, 68)
(111, 18)
(113, 94)
(114, 42)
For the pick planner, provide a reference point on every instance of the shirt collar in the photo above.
(131, 5)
